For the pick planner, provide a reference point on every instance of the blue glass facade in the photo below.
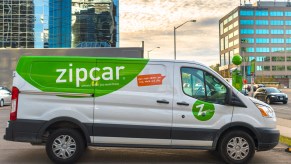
(59, 23)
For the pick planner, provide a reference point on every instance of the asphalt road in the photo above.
(283, 110)
(15, 152)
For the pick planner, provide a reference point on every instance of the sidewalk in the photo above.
(284, 126)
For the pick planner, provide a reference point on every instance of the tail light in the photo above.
(14, 103)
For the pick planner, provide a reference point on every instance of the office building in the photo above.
(260, 31)
(59, 23)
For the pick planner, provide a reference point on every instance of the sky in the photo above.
(153, 22)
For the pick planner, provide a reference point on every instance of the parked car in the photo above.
(257, 86)
(270, 95)
(5, 96)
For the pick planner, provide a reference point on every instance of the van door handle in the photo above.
(183, 103)
(163, 101)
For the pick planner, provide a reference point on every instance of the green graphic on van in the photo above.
(203, 111)
(90, 75)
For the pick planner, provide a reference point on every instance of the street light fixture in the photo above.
(175, 28)
(151, 51)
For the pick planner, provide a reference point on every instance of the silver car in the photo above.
(5, 96)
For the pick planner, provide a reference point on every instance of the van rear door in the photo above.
(199, 106)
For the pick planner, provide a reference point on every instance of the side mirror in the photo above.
(234, 100)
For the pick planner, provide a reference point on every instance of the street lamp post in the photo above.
(151, 51)
(175, 28)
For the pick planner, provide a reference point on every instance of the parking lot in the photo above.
(14, 152)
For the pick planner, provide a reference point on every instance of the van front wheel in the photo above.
(65, 146)
(236, 147)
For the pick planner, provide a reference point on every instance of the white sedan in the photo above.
(5, 97)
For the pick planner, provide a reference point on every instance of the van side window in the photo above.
(203, 86)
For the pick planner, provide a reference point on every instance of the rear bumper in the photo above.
(267, 139)
(23, 131)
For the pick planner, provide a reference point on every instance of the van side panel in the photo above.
(133, 115)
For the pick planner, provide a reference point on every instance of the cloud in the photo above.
(153, 21)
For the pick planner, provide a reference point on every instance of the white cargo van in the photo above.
(68, 103)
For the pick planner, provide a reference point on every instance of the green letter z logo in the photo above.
(203, 111)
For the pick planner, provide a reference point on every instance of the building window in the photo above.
(221, 28)
(246, 22)
(230, 27)
(276, 13)
(225, 21)
(222, 44)
(230, 44)
(262, 22)
(235, 24)
(235, 42)
(288, 58)
(289, 68)
(236, 50)
(235, 14)
(277, 49)
(246, 31)
(262, 40)
(249, 49)
(288, 22)
(246, 13)
(262, 31)
(276, 22)
(259, 68)
(230, 35)
(288, 49)
(262, 58)
(262, 49)
(266, 68)
(277, 40)
(277, 31)
(226, 42)
(278, 58)
(247, 40)
(225, 29)
(261, 12)
(288, 31)
(288, 40)
(278, 68)
(235, 33)
(227, 59)
(287, 13)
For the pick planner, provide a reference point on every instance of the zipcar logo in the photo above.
(82, 74)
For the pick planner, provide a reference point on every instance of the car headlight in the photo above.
(273, 96)
(266, 111)
(286, 95)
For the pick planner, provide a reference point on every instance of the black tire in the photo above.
(225, 146)
(284, 102)
(64, 135)
(268, 100)
(1, 103)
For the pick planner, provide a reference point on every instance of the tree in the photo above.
(215, 67)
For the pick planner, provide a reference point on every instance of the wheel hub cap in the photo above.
(64, 146)
(237, 148)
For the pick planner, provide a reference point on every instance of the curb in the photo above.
(286, 141)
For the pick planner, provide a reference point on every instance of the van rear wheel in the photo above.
(236, 147)
(65, 146)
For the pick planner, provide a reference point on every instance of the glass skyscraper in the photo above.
(59, 23)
